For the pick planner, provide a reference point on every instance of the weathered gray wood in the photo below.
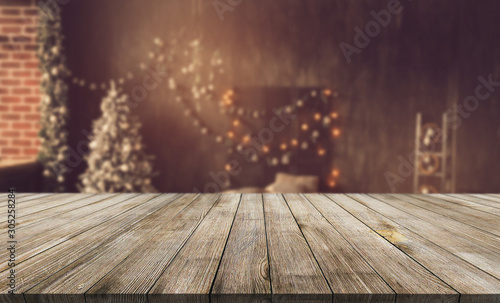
(59, 210)
(48, 203)
(79, 276)
(138, 273)
(44, 265)
(411, 281)
(295, 274)
(243, 275)
(47, 233)
(489, 200)
(350, 277)
(191, 273)
(41, 266)
(473, 284)
(75, 206)
(106, 248)
(464, 214)
(28, 197)
(435, 230)
(469, 202)
(470, 233)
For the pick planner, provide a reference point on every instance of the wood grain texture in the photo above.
(469, 202)
(151, 248)
(79, 276)
(48, 202)
(243, 275)
(461, 213)
(411, 281)
(473, 284)
(488, 200)
(48, 233)
(191, 273)
(141, 269)
(77, 206)
(350, 277)
(33, 269)
(440, 221)
(435, 230)
(295, 274)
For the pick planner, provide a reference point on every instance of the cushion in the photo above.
(287, 183)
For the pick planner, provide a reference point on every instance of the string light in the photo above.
(304, 127)
(327, 92)
(336, 132)
(331, 183)
(317, 116)
(246, 139)
(236, 123)
(334, 115)
(295, 142)
(283, 146)
(230, 134)
(228, 167)
(265, 149)
(321, 152)
(335, 172)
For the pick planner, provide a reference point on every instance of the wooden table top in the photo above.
(155, 248)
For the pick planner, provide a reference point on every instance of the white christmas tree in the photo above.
(117, 162)
(53, 111)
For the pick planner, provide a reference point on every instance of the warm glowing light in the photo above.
(317, 116)
(228, 101)
(336, 132)
(335, 172)
(327, 92)
(230, 92)
(265, 149)
(321, 152)
(246, 139)
(305, 126)
(295, 142)
(334, 115)
(331, 183)
(228, 167)
(230, 134)
(236, 123)
(283, 146)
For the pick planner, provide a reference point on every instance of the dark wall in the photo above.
(427, 58)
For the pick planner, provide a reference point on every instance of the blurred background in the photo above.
(253, 96)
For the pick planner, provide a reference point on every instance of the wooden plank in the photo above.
(488, 200)
(53, 202)
(30, 197)
(76, 207)
(464, 214)
(82, 274)
(44, 198)
(467, 202)
(190, 275)
(473, 284)
(411, 281)
(295, 274)
(41, 266)
(472, 234)
(243, 275)
(136, 275)
(45, 234)
(441, 232)
(57, 211)
(350, 277)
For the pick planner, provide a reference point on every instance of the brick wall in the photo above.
(19, 83)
